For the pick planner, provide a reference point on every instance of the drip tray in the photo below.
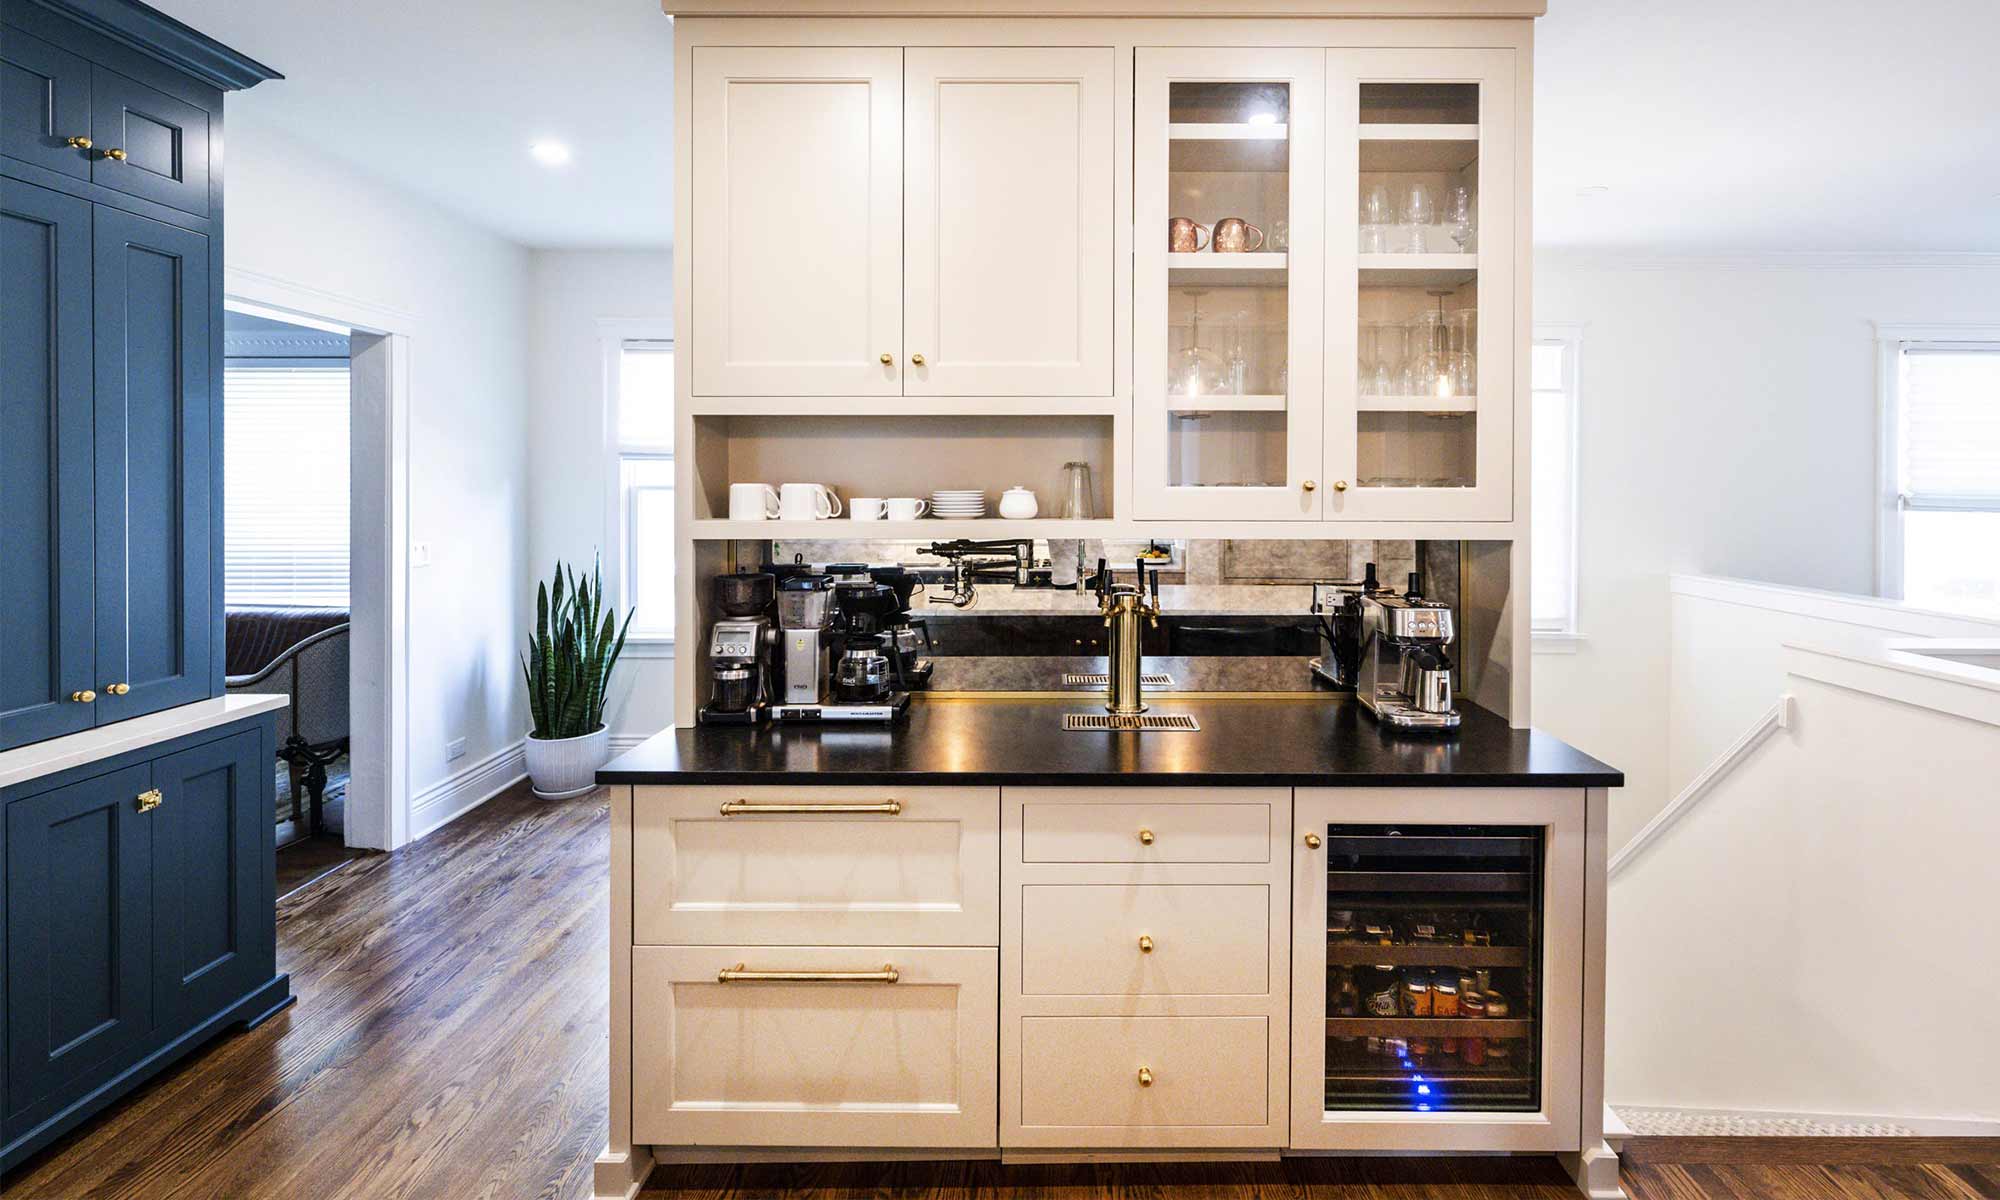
(1143, 723)
(1100, 679)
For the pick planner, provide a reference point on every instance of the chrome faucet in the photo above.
(1123, 605)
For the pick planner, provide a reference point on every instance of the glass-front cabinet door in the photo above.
(1229, 293)
(1437, 970)
(1420, 285)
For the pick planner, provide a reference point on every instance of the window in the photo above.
(285, 481)
(1940, 534)
(643, 437)
(1552, 383)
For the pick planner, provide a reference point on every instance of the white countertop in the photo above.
(91, 745)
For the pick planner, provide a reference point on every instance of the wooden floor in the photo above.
(305, 860)
(449, 1043)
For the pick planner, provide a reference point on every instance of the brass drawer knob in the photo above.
(1145, 1077)
(149, 799)
(888, 360)
(916, 360)
(117, 689)
(86, 696)
(1145, 837)
(114, 154)
(1312, 841)
(77, 143)
(1145, 944)
(1340, 485)
(1309, 485)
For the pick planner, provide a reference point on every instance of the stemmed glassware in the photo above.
(1464, 324)
(1390, 341)
(1419, 213)
(1460, 215)
(1378, 213)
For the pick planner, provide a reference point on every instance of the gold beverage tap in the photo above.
(1123, 606)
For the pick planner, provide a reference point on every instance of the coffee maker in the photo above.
(1405, 673)
(740, 650)
(805, 607)
(908, 638)
(835, 665)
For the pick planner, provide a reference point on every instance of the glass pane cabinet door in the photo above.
(1435, 976)
(1420, 285)
(1229, 291)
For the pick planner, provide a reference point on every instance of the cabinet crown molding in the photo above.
(158, 35)
(1106, 8)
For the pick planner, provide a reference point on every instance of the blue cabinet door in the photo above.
(78, 937)
(47, 624)
(152, 487)
(163, 142)
(212, 862)
(44, 102)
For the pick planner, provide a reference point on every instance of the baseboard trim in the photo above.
(1811, 1151)
(455, 795)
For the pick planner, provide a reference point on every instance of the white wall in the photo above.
(305, 219)
(572, 292)
(1728, 427)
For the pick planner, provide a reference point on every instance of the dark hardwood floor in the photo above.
(449, 1043)
(304, 861)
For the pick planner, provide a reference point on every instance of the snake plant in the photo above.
(569, 658)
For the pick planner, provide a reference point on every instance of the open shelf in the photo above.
(1245, 403)
(1418, 404)
(1415, 270)
(1488, 1027)
(922, 529)
(1225, 270)
(1359, 954)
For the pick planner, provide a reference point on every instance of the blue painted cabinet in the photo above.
(44, 104)
(138, 921)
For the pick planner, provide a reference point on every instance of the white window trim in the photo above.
(612, 334)
(1567, 637)
(1890, 339)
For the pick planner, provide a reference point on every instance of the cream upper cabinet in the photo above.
(1228, 293)
(1008, 210)
(1420, 365)
(798, 221)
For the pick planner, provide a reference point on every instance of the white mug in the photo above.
(903, 508)
(864, 508)
(807, 502)
(753, 502)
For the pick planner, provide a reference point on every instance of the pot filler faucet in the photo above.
(996, 561)
(1123, 604)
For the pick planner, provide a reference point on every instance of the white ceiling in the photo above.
(1717, 126)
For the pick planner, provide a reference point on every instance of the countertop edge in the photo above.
(1029, 779)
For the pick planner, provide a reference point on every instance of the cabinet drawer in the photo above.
(1149, 825)
(1205, 1072)
(812, 1063)
(1085, 939)
(879, 866)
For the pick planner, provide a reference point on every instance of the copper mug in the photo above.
(1184, 236)
(1232, 236)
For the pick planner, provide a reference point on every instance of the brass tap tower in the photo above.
(1123, 606)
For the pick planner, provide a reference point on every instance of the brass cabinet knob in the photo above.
(77, 143)
(1312, 841)
(1340, 485)
(888, 360)
(916, 360)
(149, 799)
(1145, 1077)
(114, 154)
(117, 689)
(86, 696)
(1145, 837)
(1309, 485)
(1145, 943)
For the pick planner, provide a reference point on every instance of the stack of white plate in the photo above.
(958, 504)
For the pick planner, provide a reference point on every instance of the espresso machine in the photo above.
(741, 647)
(1405, 674)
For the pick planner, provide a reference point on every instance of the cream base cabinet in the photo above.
(1008, 212)
(1399, 1077)
(797, 238)
(804, 1057)
(1144, 949)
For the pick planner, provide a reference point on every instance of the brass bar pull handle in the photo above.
(743, 808)
(738, 974)
(149, 799)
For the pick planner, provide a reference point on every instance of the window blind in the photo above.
(285, 485)
(1951, 428)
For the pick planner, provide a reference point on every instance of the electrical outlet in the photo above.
(420, 554)
(454, 749)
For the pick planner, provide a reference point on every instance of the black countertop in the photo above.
(1304, 741)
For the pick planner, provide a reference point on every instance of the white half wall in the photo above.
(300, 217)
(1727, 428)
(568, 471)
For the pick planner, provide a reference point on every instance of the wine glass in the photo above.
(1368, 353)
(1460, 215)
(1465, 349)
(1419, 212)
(1390, 343)
(1378, 212)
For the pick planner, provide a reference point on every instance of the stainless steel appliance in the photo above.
(805, 607)
(740, 650)
(835, 668)
(1336, 608)
(1405, 672)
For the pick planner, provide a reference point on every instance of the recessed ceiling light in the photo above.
(1594, 189)
(550, 154)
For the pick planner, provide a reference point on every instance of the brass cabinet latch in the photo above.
(150, 799)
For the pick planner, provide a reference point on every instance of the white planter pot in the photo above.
(559, 768)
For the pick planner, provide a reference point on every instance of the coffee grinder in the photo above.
(740, 650)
